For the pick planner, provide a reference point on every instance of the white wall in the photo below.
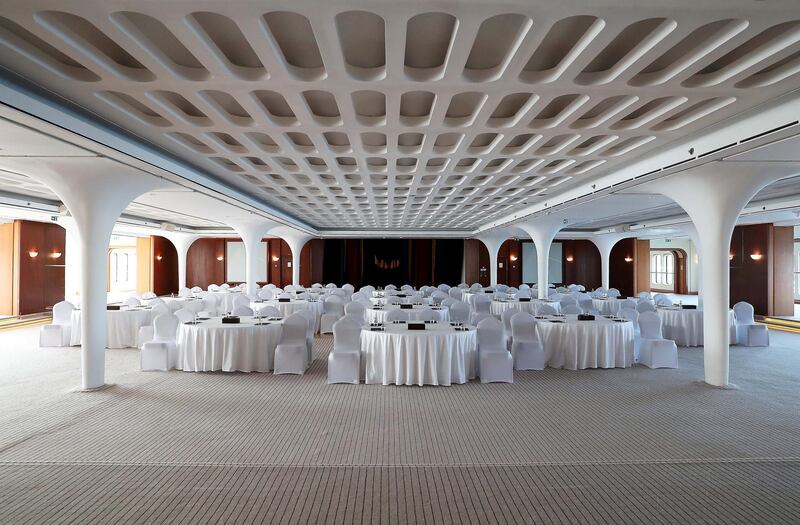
(530, 265)
(236, 262)
(692, 266)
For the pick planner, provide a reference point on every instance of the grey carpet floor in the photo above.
(599, 446)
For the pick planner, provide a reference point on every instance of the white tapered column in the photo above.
(251, 232)
(296, 240)
(493, 242)
(182, 242)
(605, 243)
(714, 195)
(543, 231)
(95, 191)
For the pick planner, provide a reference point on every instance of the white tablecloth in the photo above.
(468, 297)
(574, 344)
(608, 306)
(293, 306)
(438, 355)
(122, 326)
(211, 345)
(379, 316)
(225, 300)
(685, 327)
(532, 307)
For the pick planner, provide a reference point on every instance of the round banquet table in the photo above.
(211, 345)
(225, 300)
(608, 306)
(438, 355)
(575, 345)
(468, 297)
(379, 315)
(122, 326)
(685, 327)
(532, 307)
(295, 305)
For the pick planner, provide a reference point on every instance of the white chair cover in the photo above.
(333, 310)
(243, 311)
(645, 306)
(162, 352)
(291, 353)
(268, 311)
(526, 349)
(60, 331)
(459, 312)
(131, 301)
(571, 309)
(495, 362)
(748, 333)
(546, 309)
(654, 350)
(344, 362)
(356, 310)
(396, 315)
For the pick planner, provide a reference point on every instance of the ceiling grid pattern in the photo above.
(362, 115)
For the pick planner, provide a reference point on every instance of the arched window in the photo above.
(662, 270)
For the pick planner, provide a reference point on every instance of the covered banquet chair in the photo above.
(344, 362)
(748, 332)
(58, 333)
(162, 352)
(291, 355)
(654, 350)
(495, 363)
(526, 349)
(333, 310)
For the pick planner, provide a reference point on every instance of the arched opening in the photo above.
(668, 270)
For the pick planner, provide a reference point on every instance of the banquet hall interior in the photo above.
(352, 261)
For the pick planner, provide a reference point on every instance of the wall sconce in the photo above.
(220, 257)
(628, 259)
(570, 258)
(55, 255)
(33, 254)
(730, 256)
(275, 258)
(158, 257)
(756, 256)
(512, 257)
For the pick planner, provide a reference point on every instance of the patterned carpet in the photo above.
(603, 446)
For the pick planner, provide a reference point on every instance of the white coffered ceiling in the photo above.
(376, 115)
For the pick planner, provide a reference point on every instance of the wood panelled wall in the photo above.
(202, 266)
(622, 274)
(476, 258)
(31, 284)
(765, 283)
(165, 270)
(585, 265)
(424, 261)
(642, 263)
